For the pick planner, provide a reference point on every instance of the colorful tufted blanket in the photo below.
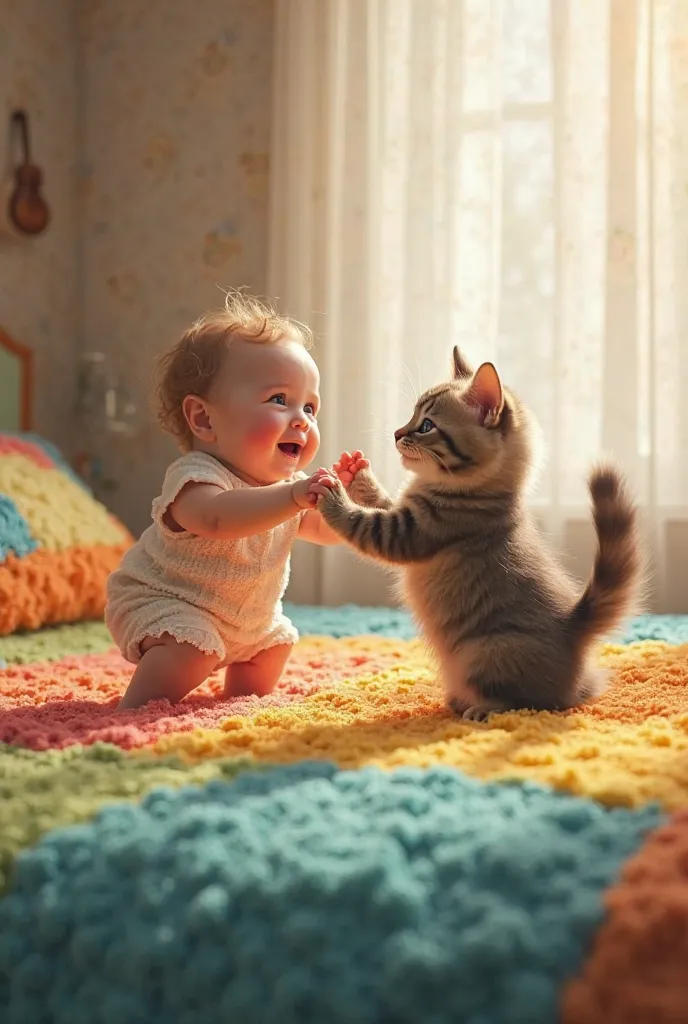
(344, 851)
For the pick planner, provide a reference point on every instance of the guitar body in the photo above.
(27, 209)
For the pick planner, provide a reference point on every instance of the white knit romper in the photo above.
(222, 596)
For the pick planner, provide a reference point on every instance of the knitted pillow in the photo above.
(57, 543)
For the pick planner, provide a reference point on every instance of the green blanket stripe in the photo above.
(55, 642)
(43, 791)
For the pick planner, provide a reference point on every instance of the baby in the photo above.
(203, 586)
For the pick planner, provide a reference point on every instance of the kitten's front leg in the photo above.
(367, 492)
(393, 535)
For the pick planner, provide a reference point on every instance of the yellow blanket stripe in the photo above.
(621, 752)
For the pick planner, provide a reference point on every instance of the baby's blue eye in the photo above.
(426, 426)
(280, 399)
(310, 409)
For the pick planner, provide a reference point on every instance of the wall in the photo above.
(38, 278)
(175, 121)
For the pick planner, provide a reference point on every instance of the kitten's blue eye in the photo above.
(280, 399)
(426, 426)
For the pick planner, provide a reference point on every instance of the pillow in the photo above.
(58, 545)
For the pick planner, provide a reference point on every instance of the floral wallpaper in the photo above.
(172, 181)
(39, 277)
(151, 119)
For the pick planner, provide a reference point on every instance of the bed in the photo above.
(344, 850)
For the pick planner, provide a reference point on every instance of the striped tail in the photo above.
(616, 577)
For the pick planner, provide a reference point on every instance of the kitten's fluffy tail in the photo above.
(617, 572)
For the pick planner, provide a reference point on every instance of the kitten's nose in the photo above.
(398, 434)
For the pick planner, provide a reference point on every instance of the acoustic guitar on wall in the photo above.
(28, 210)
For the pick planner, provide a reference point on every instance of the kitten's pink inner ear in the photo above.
(486, 392)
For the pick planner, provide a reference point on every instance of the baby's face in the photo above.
(263, 406)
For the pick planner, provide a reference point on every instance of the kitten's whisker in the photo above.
(383, 424)
(398, 388)
(382, 435)
(411, 381)
(437, 458)
(420, 377)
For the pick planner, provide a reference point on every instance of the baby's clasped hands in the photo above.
(301, 494)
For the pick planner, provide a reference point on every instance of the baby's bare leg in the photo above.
(258, 676)
(167, 670)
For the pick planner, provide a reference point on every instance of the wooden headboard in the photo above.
(16, 384)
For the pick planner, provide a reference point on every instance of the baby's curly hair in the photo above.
(190, 366)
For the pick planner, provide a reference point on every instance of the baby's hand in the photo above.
(348, 466)
(321, 482)
(301, 490)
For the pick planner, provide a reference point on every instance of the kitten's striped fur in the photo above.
(504, 620)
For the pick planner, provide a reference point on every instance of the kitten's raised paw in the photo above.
(480, 712)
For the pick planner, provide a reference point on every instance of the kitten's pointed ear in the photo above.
(460, 368)
(486, 392)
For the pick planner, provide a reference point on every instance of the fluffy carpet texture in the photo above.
(344, 850)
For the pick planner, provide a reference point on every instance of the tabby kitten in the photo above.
(502, 617)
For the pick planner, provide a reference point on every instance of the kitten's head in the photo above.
(470, 433)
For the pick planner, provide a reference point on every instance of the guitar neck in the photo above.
(21, 124)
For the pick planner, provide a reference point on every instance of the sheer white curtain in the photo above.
(511, 176)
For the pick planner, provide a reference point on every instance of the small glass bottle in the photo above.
(91, 388)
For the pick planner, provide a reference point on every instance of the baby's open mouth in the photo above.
(290, 448)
